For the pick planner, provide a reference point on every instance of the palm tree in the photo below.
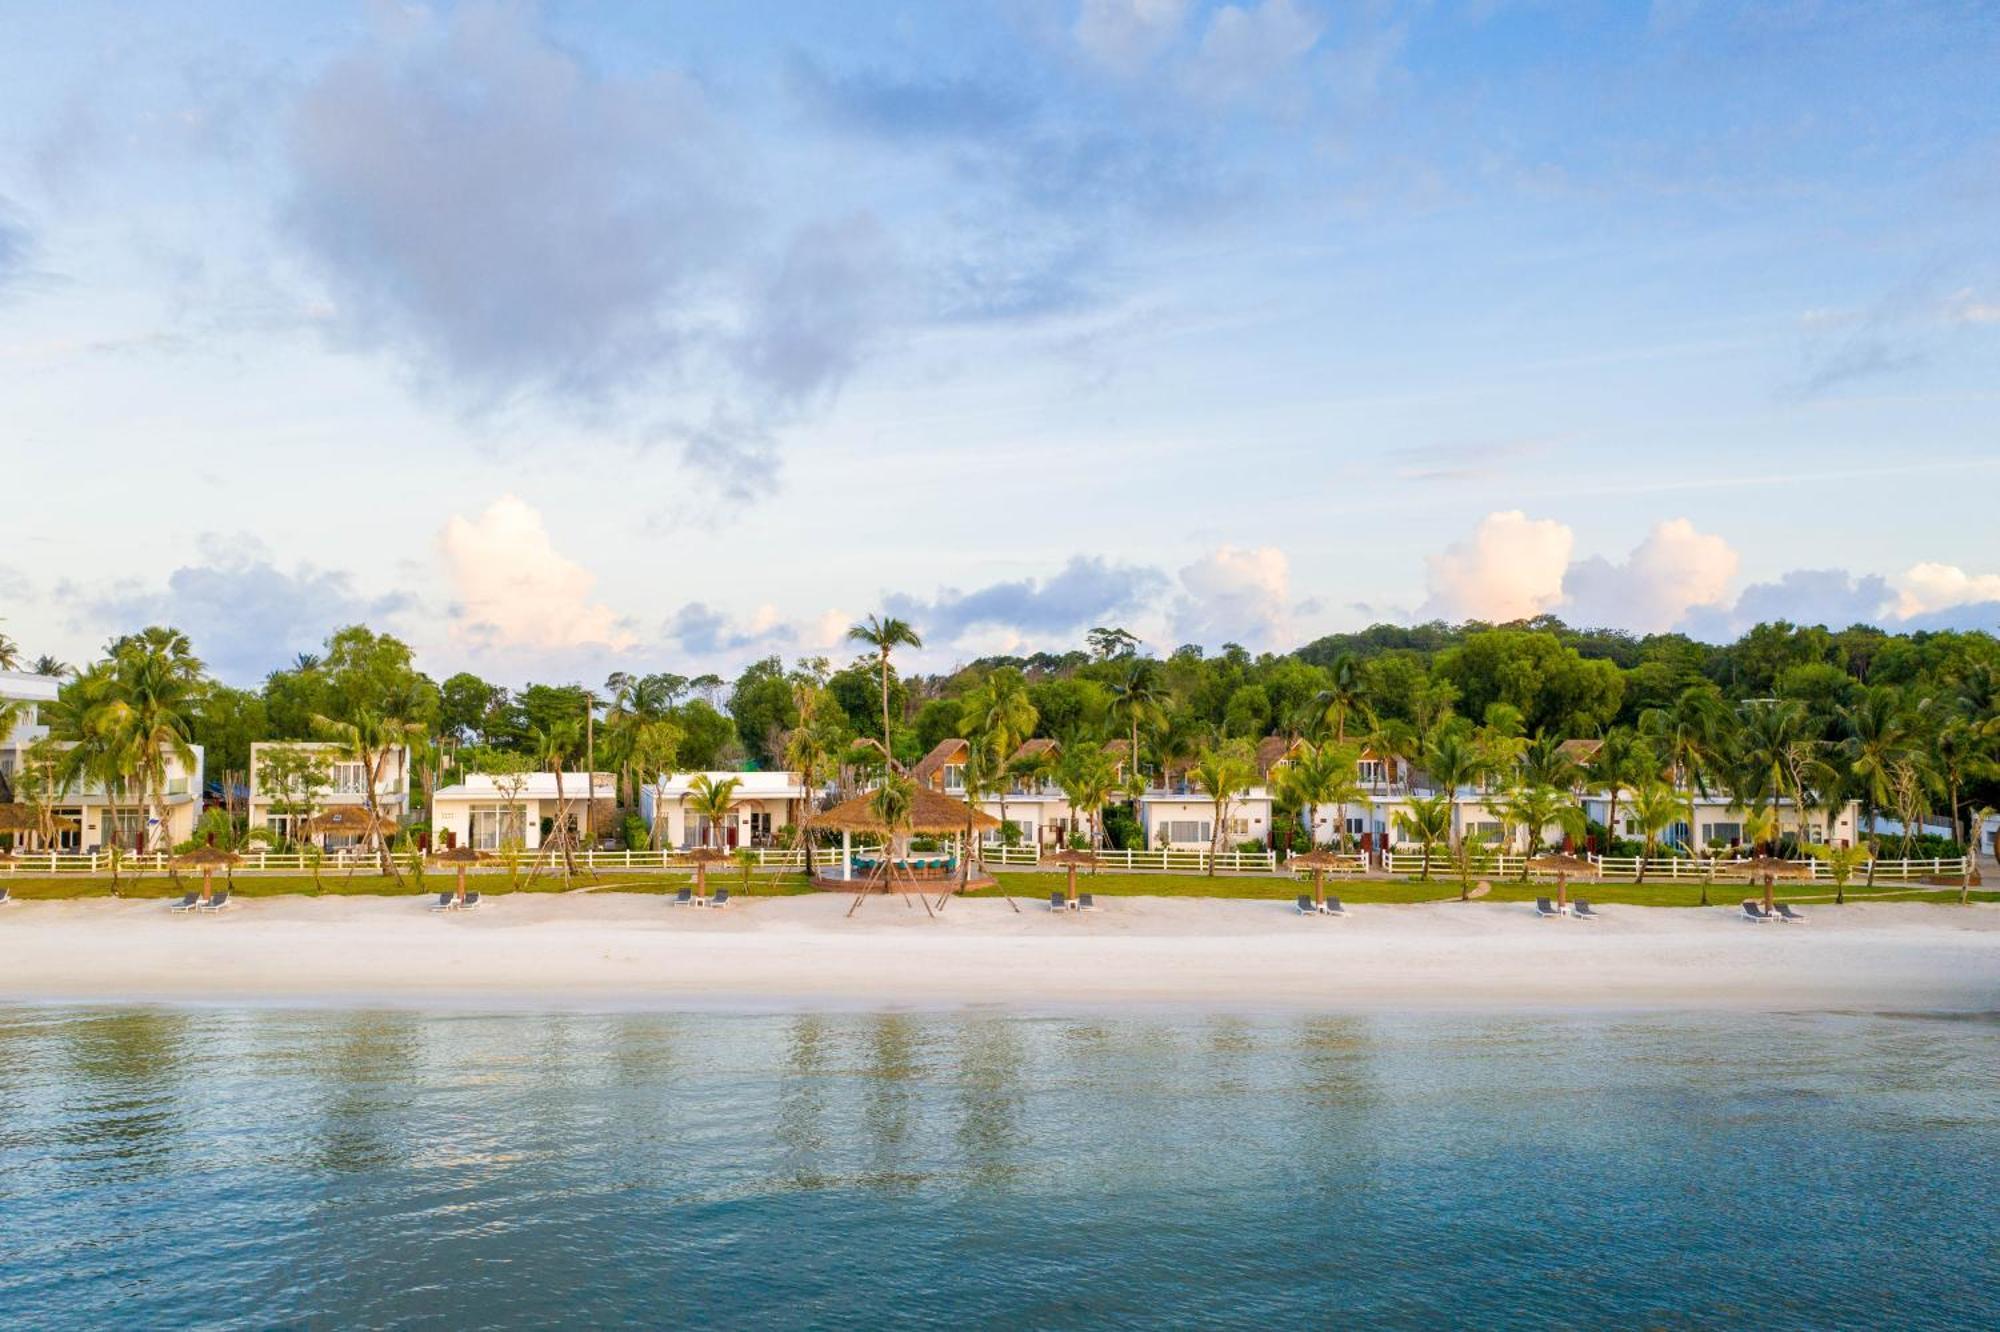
(885, 634)
(1222, 774)
(1454, 762)
(1778, 759)
(371, 741)
(809, 746)
(555, 748)
(1000, 715)
(47, 665)
(1343, 697)
(1322, 775)
(1690, 737)
(1427, 820)
(1088, 779)
(1656, 807)
(1535, 808)
(1618, 765)
(10, 654)
(1840, 862)
(1875, 734)
(712, 800)
(1138, 698)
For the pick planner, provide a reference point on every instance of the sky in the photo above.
(566, 338)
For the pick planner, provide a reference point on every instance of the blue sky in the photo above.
(561, 338)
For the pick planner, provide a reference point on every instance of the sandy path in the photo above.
(615, 949)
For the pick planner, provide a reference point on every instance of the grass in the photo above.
(72, 886)
(1037, 884)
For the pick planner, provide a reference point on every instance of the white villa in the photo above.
(765, 802)
(346, 786)
(91, 821)
(489, 812)
(1035, 805)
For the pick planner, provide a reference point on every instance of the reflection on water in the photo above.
(251, 1168)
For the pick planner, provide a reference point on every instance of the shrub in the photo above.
(637, 835)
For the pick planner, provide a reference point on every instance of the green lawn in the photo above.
(366, 885)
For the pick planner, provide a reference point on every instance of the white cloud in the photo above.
(1674, 570)
(1511, 568)
(1964, 308)
(1124, 35)
(1930, 586)
(512, 588)
(1236, 595)
(1245, 49)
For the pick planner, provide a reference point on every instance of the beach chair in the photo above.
(1581, 910)
(1306, 907)
(1333, 907)
(1546, 908)
(1785, 912)
(721, 898)
(216, 902)
(445, 902)
(6, 894)
(187, 902)
(1085, 902)
(1755, 912)
(471, 901)
(1057, 902)
(685, 897)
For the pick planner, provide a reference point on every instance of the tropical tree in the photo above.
(1620, 763)
(1321, 775)
(1223, 774)
(1454, 762)
(1344, 697)
(374, 742)
(1874, 736)
(1139, 699)
(1535, 808)
(712, 799)
(1840, 862)
(1656, 807)
(1778, 759)
(885, 634)
(555, 748)
(1088, 779)
(1428, 821)
(1000, 715)
(1690, 737)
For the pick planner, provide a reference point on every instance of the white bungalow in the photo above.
(765, 802)
(489, 812)
(346, 787)
(1035, 805)
(91, 820)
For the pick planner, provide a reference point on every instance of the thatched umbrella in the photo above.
(1070, 860)
(1562, 866)
(18, 819)
(350, 821)
(703, 857)
(1772, 869)
(206, 858)
(930, 812)
(458, 858)
(1319, 862)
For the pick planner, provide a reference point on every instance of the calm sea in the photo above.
(256, 1168)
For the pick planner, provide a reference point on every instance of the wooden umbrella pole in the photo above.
(1562, 891)
(1319, 886)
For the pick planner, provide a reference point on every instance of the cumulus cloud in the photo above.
(1086, 591)
(703, 631)
(1673, 571)
(1125, 35)
(511, 588)
(1236, 595)
(1832, 597)
(1927, 587)
(245, 614)
(1510, 568)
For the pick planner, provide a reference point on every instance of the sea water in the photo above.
(284, 1167)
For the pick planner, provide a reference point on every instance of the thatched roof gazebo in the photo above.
(205, 859)
(1319, 862)
(1072, 861)
(928, 813)
(19, 819)
(1770, 869)
(458, 857)
(350, 821)
(1562, 866)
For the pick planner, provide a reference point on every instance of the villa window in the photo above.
(1190, 830)
(495, 826)
(1484, 830)
(1373, 772)
(1723, 832)
(124, 828)
(349, 779)
(760, 826)
(954, 776)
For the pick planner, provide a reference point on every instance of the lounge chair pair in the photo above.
(1578, 908)
(1332, 907)
(686, 897)
(192, 902)
(1061, 902)
(1783, 911)
(450, 902)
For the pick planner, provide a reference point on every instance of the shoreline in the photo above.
(611, 951)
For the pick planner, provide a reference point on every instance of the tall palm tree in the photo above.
(1874, 734)
(1138, 698)
(712, 800)
(1778, 758)
(1656, 807)
(1535, 808)
(1321, 775)
(885, 633)
(555, 748)
(1222, 774)
(1690, 737)
(1455, 762)
(1619, 764)
(373, 741)
(1426, 820)
(10, 654)
(1343, 697)
(1088, 778)
(1000, 715)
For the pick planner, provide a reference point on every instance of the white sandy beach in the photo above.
(617, 949)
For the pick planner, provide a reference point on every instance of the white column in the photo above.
(846, 856)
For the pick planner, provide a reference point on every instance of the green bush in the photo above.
(637, 836)
(1121, 829)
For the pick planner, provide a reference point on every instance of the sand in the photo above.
(617, 950)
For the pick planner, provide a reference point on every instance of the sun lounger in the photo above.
(1756, 913)
(445, 902)
(721, 898)
(1581, 910)
(1057, 902)
(187, 903)
(6, 894)
(1332, 907)
(1785, 912)
(1306, 907)
(1085, 902)
(685, 897)
(218, 902)
(1544, 907)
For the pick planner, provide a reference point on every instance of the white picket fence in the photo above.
(341, 862)
(1671, 869)
(1181, 862)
